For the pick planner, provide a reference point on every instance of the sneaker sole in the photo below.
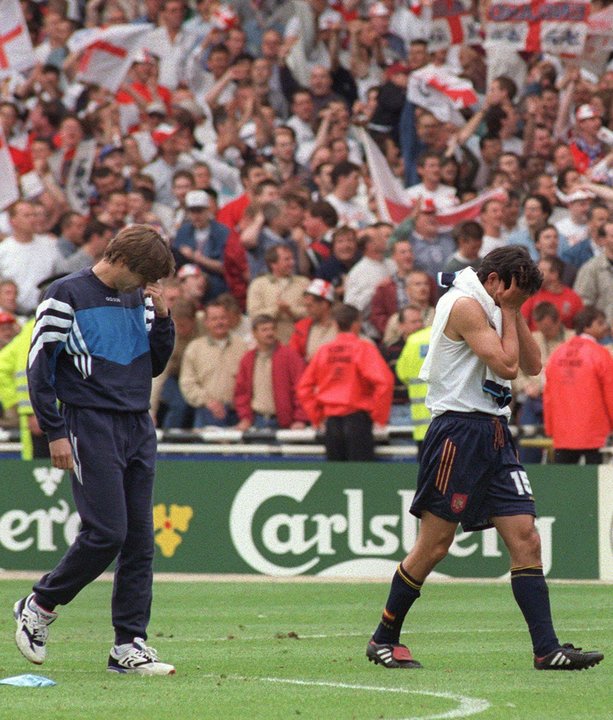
(25, 650)
(136, 671)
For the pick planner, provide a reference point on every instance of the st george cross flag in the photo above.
(559, 28)
(437, 89)
(452, 24)
(9, 190)
(16, 54)
(107, 53)
(393, 202)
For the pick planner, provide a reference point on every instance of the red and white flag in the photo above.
(437, 89)
(16, 53)
(452, 24)
(107, 53)
(559, 28)
(600, 32)
(393, 202)
(9, 190)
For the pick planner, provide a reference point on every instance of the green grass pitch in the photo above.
(276, 651)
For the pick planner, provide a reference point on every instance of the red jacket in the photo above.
(344, 376)
(300, 336)
(236, 268)
(232, 213)
(567, 303)
(287, 367)
(578, 395)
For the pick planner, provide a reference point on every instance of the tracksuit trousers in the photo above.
(112, 484)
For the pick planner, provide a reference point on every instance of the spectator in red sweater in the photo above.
(265, 392)
(553, 290)
(578, 395)
(348, 385)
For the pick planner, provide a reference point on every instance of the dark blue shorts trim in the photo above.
(470, 472)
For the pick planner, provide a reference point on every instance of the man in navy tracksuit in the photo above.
(100, 335)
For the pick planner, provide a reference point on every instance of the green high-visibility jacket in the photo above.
(407, 369)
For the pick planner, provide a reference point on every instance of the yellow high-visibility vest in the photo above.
(407, 369)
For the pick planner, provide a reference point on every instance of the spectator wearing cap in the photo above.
(209, 368)
(348, 386)
(318, 326)
(193, 284)
(579, 254)
(574, 227)
(594, 281)
(586, 148)
(566, 301)
(265, 396)
(202, 240)
(279, 293)
(431, 187)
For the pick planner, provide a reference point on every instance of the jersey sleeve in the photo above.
(54, 321)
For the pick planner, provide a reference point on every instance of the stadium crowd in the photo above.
(240, 133)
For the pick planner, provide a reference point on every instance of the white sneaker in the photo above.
(139, 659)
(32, 629)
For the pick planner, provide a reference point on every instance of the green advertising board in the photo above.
(285, 519)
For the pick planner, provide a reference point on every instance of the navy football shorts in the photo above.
(470, 472)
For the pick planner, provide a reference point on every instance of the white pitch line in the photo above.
(467, 706)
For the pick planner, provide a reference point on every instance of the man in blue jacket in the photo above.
(100, 335)
(202, 241)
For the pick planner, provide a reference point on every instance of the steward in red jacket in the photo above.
(578, 393)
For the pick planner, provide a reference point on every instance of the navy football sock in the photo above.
(532, 596)
(403, 593)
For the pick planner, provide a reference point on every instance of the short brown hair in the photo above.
(143, 251)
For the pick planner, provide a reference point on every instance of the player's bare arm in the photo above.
(529, 352)
(468, 322)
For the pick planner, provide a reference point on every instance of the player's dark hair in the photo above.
(345, 316)
(584, 318)
(512, 261)
(143, 250)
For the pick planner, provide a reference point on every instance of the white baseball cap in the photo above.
(196, 199)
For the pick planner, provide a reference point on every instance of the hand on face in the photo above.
(154, 291)
(511, 297)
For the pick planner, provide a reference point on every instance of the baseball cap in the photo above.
(163, 132)
(586, 112)
(7, 318)
(189, 270)
(378, 9)
(156, 108)
(321, 289)
(196, 199)
(396, 67)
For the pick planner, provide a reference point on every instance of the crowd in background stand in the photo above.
(236, 133)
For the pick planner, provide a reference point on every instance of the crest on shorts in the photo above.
(458, 502)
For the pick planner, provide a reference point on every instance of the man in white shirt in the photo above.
(27, 258)
(491, 222)
(574, 227)
(431, 187)
(346, 181)
(171, 43)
